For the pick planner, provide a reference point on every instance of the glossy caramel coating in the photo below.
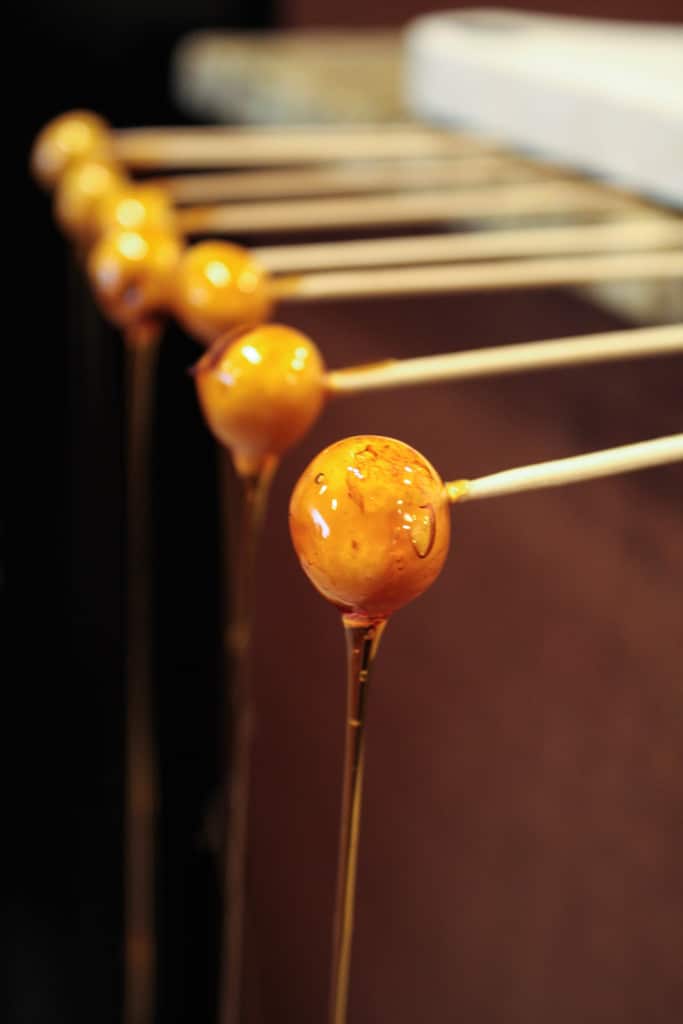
(219, 287)
(260, 392)
(83, 186)
(370, 522)
(76, 135)
(132, 274)
(135, 207)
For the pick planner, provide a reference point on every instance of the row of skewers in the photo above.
(370, 516)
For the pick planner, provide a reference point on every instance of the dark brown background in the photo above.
(398, 12)
(522, 842)
(523, 829)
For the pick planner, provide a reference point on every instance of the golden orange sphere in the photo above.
(370, 522)
(135, 207)
(77, 135)
(261, 391)
(220, 287)
(82, 187)
(132, 274)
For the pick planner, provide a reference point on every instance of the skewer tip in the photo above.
(457, 490)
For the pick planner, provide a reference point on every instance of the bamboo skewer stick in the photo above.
(275, 132)
(626, 459)
(509, 359)
(549, 197)
(344, 178)
(651, 233)
(147, 148)
(467, 277)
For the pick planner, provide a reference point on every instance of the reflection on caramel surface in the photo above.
(83, 186)
(77, 135)
(134, 207)
(370, 522)
(260, 390)
(132, 274)
(219, 287)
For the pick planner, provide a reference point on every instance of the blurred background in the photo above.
(522, 841)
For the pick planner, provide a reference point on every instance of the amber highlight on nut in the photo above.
(76, 135)
(370, 522)
(84, 185)
(260, 391)
(220, 287)
(132, 274)
(134, 207)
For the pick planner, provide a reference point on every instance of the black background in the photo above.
(64, 547)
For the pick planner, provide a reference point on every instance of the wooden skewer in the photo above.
(626, 459)
(285, 130)
(507, 359)
(345, 178)
(471, 277)
(546, 197)
(147, 148)
(653, 233)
